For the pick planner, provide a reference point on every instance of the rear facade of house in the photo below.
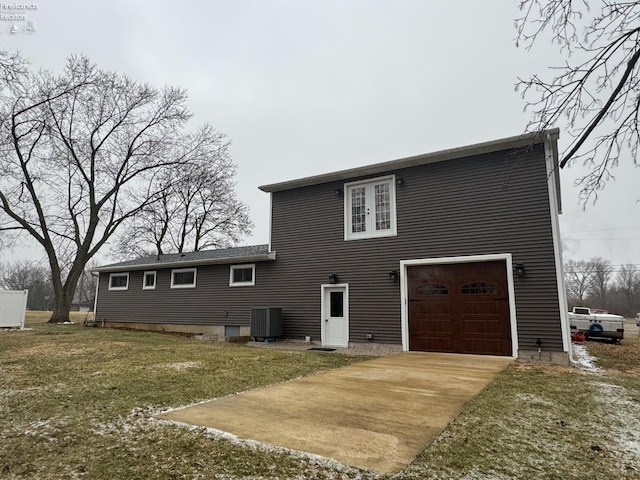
(454, 251)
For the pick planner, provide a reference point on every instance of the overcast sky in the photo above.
(308, 87)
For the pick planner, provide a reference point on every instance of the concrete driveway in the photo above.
(375, 415)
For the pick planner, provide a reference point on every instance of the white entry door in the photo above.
(335, 313)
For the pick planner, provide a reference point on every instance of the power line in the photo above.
(604, 230)
(598, 239)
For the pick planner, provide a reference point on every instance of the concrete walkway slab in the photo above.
(375, 415)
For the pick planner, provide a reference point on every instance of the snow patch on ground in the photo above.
(535, 400)
(623, 422)
(583, 359)
(24, 391)
(141, 420)
(180, 365)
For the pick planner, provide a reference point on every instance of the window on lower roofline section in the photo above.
(119, 281)
(370, 208)
(149, 281)
(183, 278)
(242, 275)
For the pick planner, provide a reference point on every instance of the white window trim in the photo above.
(392, 232)
(182, 270)
(155, 279)
(243, 266)
(119, 274)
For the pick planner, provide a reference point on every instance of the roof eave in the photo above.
(439, 156)
(263, 257)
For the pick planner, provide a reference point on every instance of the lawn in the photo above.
(77, 402)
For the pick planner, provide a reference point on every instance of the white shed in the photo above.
(13, 306)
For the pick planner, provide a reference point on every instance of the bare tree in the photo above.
(197, 207)
(21, 275)
(602, 276)
(597, 91)
(80, 153)
(32, 276)
(578, 278)
(628, 287)
(12, 68)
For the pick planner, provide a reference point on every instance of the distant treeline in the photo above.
(33, 276)
(598, 283)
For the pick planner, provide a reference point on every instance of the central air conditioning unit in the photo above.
(266, 323)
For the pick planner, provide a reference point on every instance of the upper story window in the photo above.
(242, 275)
(370, 208)
(183, 278)
(149, 281)
(119, 281)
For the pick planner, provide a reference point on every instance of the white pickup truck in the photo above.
(596, 325)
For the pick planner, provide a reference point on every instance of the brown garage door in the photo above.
(461, 308)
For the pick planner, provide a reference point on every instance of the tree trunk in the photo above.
(61, 310)
(64, 292)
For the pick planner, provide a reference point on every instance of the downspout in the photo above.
(95, 301)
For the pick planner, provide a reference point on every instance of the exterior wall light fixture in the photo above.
(333, 278)
(518, 269)
(394, 275)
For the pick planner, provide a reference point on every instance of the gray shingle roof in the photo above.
(223, 255)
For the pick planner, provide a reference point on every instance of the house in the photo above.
(454, 251)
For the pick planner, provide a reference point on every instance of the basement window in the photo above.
(242, 275)
(119, 281)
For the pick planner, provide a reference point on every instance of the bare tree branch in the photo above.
(81, 154)
(197, 209)
(596, 93)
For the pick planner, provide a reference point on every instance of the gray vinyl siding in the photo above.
(211, 302)
(488, 204)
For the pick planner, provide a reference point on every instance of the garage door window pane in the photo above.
(479, 288)
(432, 289)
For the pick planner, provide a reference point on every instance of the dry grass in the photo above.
(623, 357)
(34, 317)
(78, 402)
